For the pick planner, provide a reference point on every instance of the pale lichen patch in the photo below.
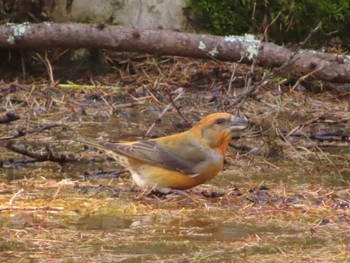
(347, 59)
(202, 46)
(250, 41)
(214, 52)
(11, 40)
(18, 31)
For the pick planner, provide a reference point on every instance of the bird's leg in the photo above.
(185, 194)
(145, 192)
(159, 193)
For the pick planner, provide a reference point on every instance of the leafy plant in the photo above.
(286, 21)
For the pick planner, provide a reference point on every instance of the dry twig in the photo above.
(41, 156)
(21, 133)
(15, 196)
(163, 112)
(30, 208)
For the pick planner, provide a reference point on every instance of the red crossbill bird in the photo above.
(180, 161)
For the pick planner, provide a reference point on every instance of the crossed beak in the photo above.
(238, 123)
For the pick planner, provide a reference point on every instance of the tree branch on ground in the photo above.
(42, 156)
(325, 66)
(21, 133)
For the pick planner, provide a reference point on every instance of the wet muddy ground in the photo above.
(284, 193)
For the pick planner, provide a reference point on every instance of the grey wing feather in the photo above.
(153, 153)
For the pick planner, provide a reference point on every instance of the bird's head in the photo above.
(217, 129)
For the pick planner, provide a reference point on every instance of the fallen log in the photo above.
(323, 66)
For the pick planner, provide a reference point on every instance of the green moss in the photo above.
(293, 20)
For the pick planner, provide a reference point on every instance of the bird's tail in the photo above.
(106, 147)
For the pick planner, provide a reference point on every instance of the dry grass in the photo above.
(285, 197)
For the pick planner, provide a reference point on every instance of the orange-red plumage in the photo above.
(179, 161)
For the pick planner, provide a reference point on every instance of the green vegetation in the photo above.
(287, 21)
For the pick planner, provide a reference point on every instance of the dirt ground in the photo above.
(283, 195)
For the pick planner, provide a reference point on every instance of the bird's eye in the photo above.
(220, 121)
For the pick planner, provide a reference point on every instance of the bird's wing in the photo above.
(153, 153)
